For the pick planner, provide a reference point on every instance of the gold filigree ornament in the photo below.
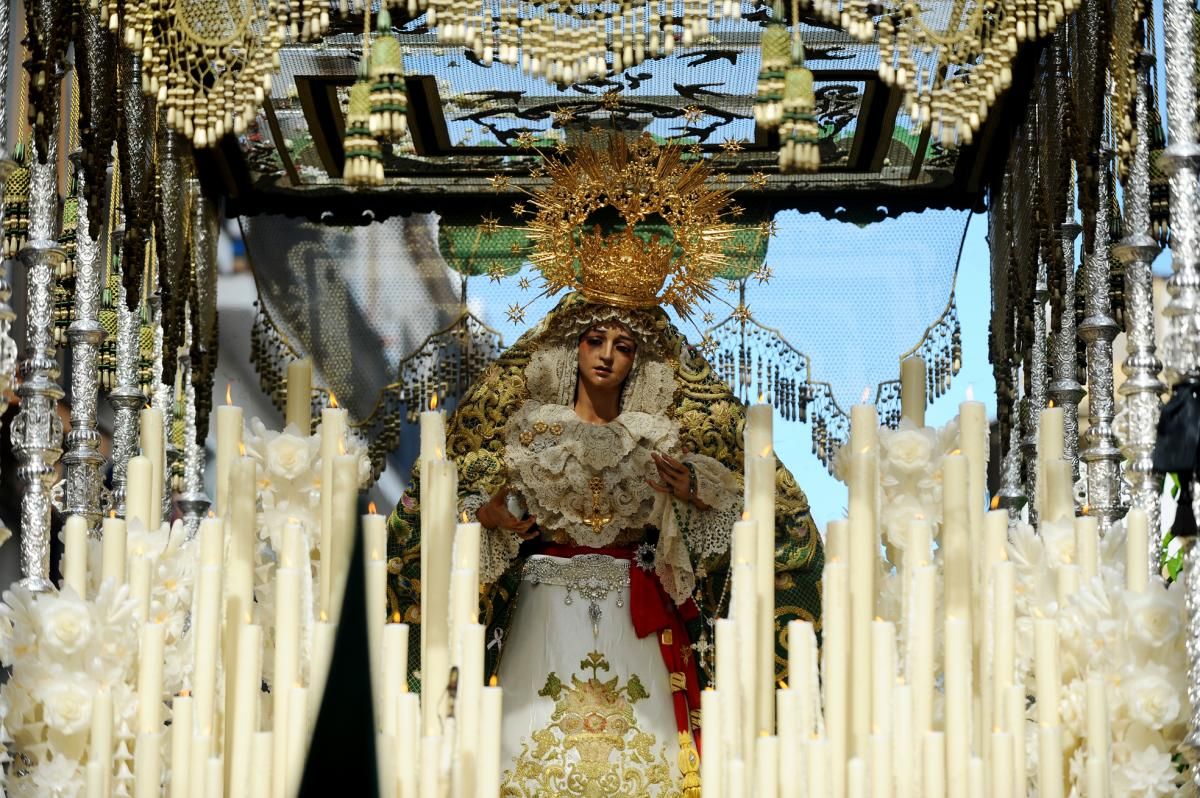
(210, 63)
(628, 184)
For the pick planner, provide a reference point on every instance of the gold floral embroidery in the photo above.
(594, 719)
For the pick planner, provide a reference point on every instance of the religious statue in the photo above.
(603, 458)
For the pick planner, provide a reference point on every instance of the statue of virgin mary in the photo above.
(603, 458)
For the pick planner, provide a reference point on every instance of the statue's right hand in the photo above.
(496, 515)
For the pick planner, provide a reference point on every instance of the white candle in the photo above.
(286, 673)
(95, 780)
(112, 550)
(100, 745)
(934, 765)
(1067, 582)
(880, 748)
(243, 724)
(430, 773)
(229, 440)
(1050, 762)
(242, 528)
(803, 679)
(1097, 736)
(976, 786)
(973, 434)
(883, 675)
(206, 625)
(760, 502)
(710, 739)
(995, 543)
(958, 706)
(766, 767)
(324, 633)
(1137, 557)
(729, 687)
(151, 639)
(470, 687)
(1087, 540)
(1002, 765)
(395, 673)
(408, 745)
(214, 778)
(856, 778)
(819, 764)
(181, 745)
(1014, 706)
(465, 553)
(147, 766)
(902, 753)
(75, 555)
(1050, 434)
(920, 543)
(297, 738)
(864, 554)
(864, 428)
(758, 434)
(1046, 663)
(837, 541)
(1004, 631)
(920, 670)
(1060, 492)
(433, 435)
(345, 498)
(151, 422)
(488, 781)
(212, 541)
(201, 745)
(835, 604)
(139, 587)
(742, 608)
(139, 494)
(956, 538)
(333, 430)
(375, 552)
(299, 396)
(260, 774)
(912, 390)
(735, 773)
(439, 490)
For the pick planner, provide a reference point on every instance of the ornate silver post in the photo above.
(1098, 328)
(162, 398)
(1142, 388)
(7, 164)
(194, 503)
(37, 430)
(126, 398)
(1181, 344)
(1065, 390)
(83, 486)
(1036, 400)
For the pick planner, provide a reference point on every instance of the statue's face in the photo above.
(606, 354)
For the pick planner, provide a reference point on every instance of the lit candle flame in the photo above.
(782, 685)
(371, 508)
(463, 517)
(113, 513)
(493, 682)
(1051, 404)
(185, 694)
(241, 449)
(996, 502)
(396, 616)
(433, 401)
(333, 399)
(766, 450)
(437, 454)
(761, 397)
(1086, 509)
(866, 394)
(745, 515)
(229, 393)
(970, 393)
(341, 446)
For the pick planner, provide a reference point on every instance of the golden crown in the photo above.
(649, 186)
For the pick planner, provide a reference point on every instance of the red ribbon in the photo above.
(653, 612)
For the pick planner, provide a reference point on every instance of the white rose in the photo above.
(288, 456)
(907, 452)
(1149, 772)
(1152, 696)
(65, 623)
(1152, 617)
(67, 705)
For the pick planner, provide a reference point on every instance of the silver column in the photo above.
(7, 164)
(83, 488)
(193, 502)
(1142, 389)
(1065, 390)
(126, 397)
(1101, 456)
(1036, 400)
(37, 430)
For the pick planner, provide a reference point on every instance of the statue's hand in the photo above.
(676, 479)
(496, 515)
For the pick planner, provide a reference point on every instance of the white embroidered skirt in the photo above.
(587, 704)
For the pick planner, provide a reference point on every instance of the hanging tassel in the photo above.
(798, 151)
(364, 161)
(776, 51)
(389, 106)
(16, 207)
(689, 766)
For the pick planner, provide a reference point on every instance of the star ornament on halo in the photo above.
(525, 140)
(496, 272)
(500, 183)
(758, 181)
(692, 114)
(742, 312)
(564, 116)
(707, 345)
(489, 225)
(764, 273)
(515, 313)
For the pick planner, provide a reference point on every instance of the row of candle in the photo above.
(861, 722)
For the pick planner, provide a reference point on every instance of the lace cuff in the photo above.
(709, 532)
(497, 547)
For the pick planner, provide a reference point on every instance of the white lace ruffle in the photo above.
(553, 457)
(497, 547)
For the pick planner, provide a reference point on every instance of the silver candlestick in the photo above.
(1101, 456)
(7, 164)
(126, 397)
(1065, 390)
(1181, 344)
(193, 502)
(37, 431)
(83, 485)
(1142, 389)
(1036, 400)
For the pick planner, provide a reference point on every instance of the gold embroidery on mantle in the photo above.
(595, 720)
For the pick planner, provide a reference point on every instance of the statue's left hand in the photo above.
(675, 479)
